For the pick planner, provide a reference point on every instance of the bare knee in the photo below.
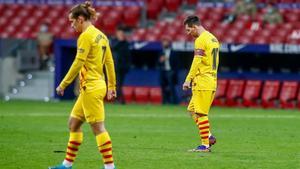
(98, 128)
(75, 125)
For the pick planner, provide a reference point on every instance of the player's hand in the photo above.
(162, 59)
(186, 86)
(60, 91)
(111, 95)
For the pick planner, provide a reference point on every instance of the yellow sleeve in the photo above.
(72, 73)
(199, 52)
(110, 69)
(83, 48)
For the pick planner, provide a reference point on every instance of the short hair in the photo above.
(192, 20)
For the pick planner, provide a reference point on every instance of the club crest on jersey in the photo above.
(80, 50)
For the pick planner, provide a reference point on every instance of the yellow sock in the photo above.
(73, 145)
(203, 125)
(105, 147)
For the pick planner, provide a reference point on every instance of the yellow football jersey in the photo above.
(203, 72)
(94, 51)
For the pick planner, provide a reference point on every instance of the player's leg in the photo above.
(104, 144)
(212, 139)
(201, 102)
(94, 113)
(76, 136)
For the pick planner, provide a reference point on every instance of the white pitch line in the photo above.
(139, 115)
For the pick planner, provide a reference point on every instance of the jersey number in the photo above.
(214, 53)
(103, 54)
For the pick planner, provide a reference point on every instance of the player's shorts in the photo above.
(201, 101)
(89, 106)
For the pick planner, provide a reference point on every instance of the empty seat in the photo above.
(288, 94)
(181, 37)
(233, 33)
(234, 92)
(287, 1)
(153, 11)
(244, 39)
(252, 93)
(291, 17)
(270, 93)
(276, 39)
(132, 16)
(260, 40)
(111, 21)
(192, 2)
(293, 41)
(141, 94)
(156, 95)
(221, 92)
(128, 94)
(172, 5)
(151, 37)
(298, 99)
(228, 39)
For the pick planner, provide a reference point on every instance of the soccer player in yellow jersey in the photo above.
(93, 54)
(202, 78)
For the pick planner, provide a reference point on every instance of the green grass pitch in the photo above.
(151, 137)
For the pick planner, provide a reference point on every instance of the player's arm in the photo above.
(198, 54)
(110, 69)
(83, 48)
(194, 68)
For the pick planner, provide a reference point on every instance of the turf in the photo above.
(151, 137)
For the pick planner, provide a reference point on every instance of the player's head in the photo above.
(80, 14)
(192, 24)
(120, 33)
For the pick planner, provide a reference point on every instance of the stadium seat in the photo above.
(142, 94)
(260, 40)
(218, 32)
(270, 93)
(209, 24)
(2, 9)
(252, 93)
(138, 35)
(221, 92)
(239, 25)
(276, 39)
(288, 94)
(181, 37)
(291, 17)
(192, 2)
(293, 41)
(156, 95)
(298, 99)
(132, 16)
(244, 40)
(234, 92)
(151, 37)
(128, 94)
(172, 5)
(110, 22)
(287, 1)
(233, 33)
(228, 39)
(153, 11)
